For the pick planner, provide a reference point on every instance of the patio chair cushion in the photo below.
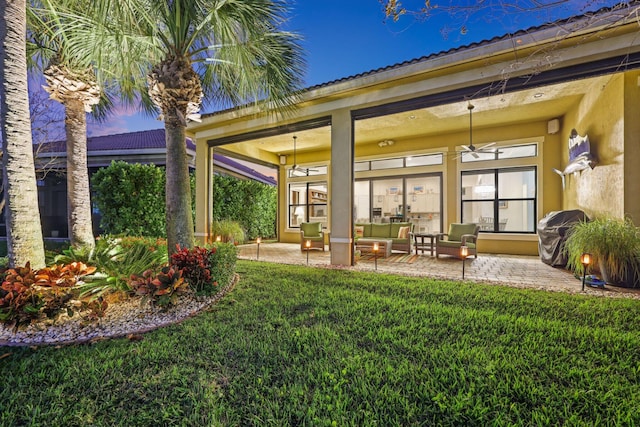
(311, 229)
(457, 230)
(455, 244)
(381, 230)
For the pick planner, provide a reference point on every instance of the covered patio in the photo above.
(520, 271)
(399, 143)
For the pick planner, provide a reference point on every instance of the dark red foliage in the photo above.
(195, 265)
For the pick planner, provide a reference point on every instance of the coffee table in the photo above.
(366, 245)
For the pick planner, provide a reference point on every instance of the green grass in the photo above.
(300, 346)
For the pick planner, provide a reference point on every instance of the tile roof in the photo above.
(153, 139)
(140, 140)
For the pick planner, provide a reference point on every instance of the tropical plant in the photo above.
(70, 80)
(114, 264)
(160, 289)
(195, 266)
(26, 294)
(614, 244)
(24, 229)
(230, 52)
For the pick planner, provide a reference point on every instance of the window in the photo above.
(307, 203)
(501, 153)
(310, 171)
(400, 162)
(417, 199)
(500, 200)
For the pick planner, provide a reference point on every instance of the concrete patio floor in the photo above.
(517, 271)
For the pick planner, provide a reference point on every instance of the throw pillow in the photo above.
(403, 232)
(359, 231)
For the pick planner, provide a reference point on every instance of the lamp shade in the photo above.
(464, 251)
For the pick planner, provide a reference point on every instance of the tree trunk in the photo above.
(178, 189)
(78, 194)
(24, 230)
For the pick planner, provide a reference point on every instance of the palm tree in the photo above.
(24, 230)
(72, 82)
(218, 52)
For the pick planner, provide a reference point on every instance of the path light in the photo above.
(376, 248)
(307, 245)
(464, 253)
(258, 240)
(585, 259)
(218, 238)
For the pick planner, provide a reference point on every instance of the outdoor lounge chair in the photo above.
(312, 231)
(459, 234)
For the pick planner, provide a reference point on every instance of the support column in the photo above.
(204, 158)
(341, 203)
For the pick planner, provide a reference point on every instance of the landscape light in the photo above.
(585, 259)
(464, 253)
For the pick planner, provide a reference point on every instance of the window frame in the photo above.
(497, 200)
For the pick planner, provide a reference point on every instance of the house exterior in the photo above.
(396, 142)
(144, 147)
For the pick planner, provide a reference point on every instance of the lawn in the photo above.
(292, 345)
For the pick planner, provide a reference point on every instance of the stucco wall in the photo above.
(632, 146)
(600, 114)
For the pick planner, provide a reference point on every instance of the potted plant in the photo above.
(614, 245)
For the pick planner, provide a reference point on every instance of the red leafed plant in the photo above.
(161, 289)
(66, 276)
(195, 265)
(19, 302)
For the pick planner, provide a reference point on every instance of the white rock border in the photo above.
(122, 319)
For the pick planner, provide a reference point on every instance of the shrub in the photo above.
(257, 218)
(160, 289)
(195, 266)
(223, 263)
(19, 303)
(130, 198)
(26, 294)
(229, 231)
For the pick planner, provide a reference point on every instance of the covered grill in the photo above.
(552, 233)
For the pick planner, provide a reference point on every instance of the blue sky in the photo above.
(347, 37)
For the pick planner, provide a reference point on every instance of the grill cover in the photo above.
(552, 233)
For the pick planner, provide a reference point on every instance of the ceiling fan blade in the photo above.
(485, 146)
(475, 155)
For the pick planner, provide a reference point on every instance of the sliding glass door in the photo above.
(417, 199)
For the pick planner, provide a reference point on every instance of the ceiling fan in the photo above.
(296, 169)
(472, 149)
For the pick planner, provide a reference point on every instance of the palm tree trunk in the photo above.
(78, 193)
(178, 190)
(24, 230)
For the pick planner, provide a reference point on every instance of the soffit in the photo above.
(531, 105)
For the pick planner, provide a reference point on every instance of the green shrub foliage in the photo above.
(223, 263)
(131, 199)
(250, 203)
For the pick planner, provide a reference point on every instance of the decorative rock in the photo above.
(121, 319)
